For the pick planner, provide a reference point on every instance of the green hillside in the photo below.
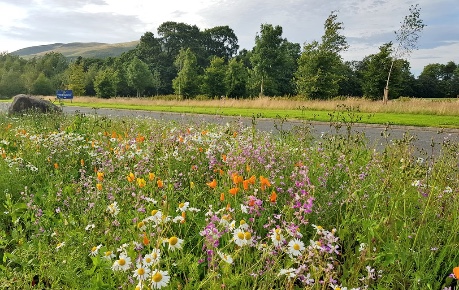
(75, 49)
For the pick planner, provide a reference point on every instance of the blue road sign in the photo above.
(64, 94)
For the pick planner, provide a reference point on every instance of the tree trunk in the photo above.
(386, 88)
(262, 93)
(386, 95)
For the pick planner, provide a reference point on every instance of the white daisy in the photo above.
(156, 216)
(319, 229)
(89, 227)
(159, 279)
(149, 199)
(290, 272)
(295, 247)
(60, 245)
(142, 225)
(248, 238)
(123, 247)
(238, 237)
(113, 209)
(243, 225)
(95, 250)
(139, 286)
(232, 225)
(226, 258)
(175, 243)
(178, 219)
(122, 264)
(142, 273)
(108, 255)
(152, 258)
(183, 206)
(277, 238)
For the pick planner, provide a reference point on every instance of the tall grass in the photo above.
(404, 105)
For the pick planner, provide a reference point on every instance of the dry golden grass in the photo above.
(405, 105)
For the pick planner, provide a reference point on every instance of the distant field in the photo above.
(407, 106)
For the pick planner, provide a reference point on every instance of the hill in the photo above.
(75, 49)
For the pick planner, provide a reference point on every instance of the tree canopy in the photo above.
(183, 59)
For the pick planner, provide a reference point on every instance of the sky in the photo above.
(367, 23)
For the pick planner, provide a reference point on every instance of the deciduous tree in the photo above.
(187, 81)
(319, 66)
(139, 75)
(213, 80)
(407, 37)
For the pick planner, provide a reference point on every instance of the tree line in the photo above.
(187, 61)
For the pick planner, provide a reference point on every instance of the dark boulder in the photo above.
(25, 103)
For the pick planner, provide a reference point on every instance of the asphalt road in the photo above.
(423, 138)
(426, 140)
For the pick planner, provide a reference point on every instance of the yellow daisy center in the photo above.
(153, 212)
(240, 235)
(173, 241)
(157, 277)
(94, 249)
(278, 237)
(296, 247)
(148, 260)
(140, 224)
(108, 253)
(141, 271)
(121, 262)
(247, 235)
(181, 205)
(242, 222)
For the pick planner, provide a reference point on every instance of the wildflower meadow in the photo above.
(94, 202)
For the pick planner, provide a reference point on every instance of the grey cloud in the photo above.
(67, 4)
(73, 27)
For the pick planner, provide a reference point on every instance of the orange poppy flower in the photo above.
(160, 183)
(82, 162)
(245, 184)
(273, 197)
(212, 184)
(264, 182)
(151, 176)
(56, 166)
(252, 202)
(99, 186)
(140, 138)
(141, 182)
(456, 272)
(131, 177)
(224, 157)
(237, 178)
(222, 196)
(233, 190)
(145, 239)
(100, 175)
